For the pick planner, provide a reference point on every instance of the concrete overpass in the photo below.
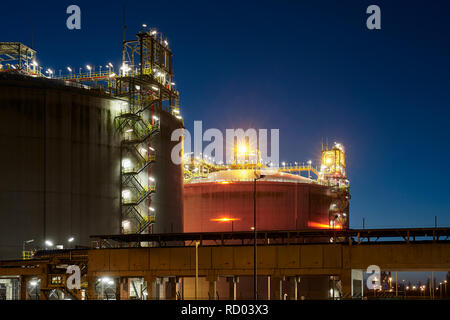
(346, 260)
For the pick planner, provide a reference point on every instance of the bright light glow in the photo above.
(318, 225)
(242, 149)
(224, 182)
(71, 239)
(126, 163)
(151, 209)
(165, 42)
(155, 88)
(156, 118)
(112, 75)
(105, 279)
(126, 194)
(88, 67)
(144, 25)
(33, 283)
(48, 243)
(129, 130)
(34, 63)
(178, 117)
(110, 64)
(176, 111)
(152, 149)
(69, 68)
(225, 219)
(153, 32)
(152, 179)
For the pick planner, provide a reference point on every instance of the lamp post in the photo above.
(255, 274)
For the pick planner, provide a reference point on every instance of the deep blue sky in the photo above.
(310, 68)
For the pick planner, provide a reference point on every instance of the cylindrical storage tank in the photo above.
(168, 198)
(224, 202)
(60, 164)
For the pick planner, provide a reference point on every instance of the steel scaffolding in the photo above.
(146, 82)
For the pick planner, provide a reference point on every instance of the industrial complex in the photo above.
(89, 182)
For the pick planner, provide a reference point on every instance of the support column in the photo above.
(346, 284)
(23, 292)
(178, 288)
(277, 284)
(232, 281)
(171, 289)
(295, 279)
(91, 288)
(149, 282)
(124, 288)
(44, 285)
(212, 289)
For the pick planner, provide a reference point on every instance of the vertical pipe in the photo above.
(255, 281)
(196, 270)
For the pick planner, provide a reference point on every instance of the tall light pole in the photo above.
(255, 274)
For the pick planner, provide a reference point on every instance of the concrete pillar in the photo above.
(295, 293)
(346, 284)
(232, 281)
(91, 295)
(124, 288)
(212, 289)
(171, 288)
(44, 285)
(23, 292)
(178, 289)
(149, 283)
(277, 288)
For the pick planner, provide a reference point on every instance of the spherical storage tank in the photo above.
(224, 202)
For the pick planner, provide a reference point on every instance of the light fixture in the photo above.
(88, 67)
(71, 239)
(69, 68)
(126, 163)
(48, 243)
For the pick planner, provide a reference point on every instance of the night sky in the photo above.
(310, 68)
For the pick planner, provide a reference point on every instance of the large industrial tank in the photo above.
(60, 164)
(168, 198)
(224, 202)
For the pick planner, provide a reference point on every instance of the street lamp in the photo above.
(48, 243)
(255, 280)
